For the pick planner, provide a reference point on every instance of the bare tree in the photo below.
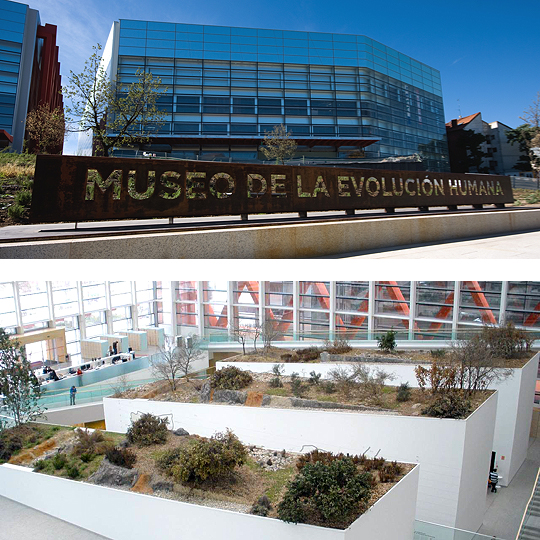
(532, 117)
(269, 332)
(257, 329)
(176, 360)
(476, 367)
(278, 144)
(241, 333)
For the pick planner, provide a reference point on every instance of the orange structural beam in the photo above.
(480, 300)
(533, 317)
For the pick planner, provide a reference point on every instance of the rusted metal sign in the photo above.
(69, 188)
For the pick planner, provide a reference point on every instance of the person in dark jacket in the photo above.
(72, 393)
(493, 480)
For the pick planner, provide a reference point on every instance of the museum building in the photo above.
(343, 97)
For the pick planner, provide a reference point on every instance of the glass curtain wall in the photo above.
(226, 82)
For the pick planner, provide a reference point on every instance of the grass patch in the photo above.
(326, 397)
(276, 481)
(278, 392)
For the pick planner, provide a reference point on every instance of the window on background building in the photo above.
(392, 307)
(215, 307)
(314, 316)
(480, 302)
(65, 298)
(8, 316)
(121, 319)
(352, 300)
(186, 304)
(73, 336)
(523, 304)
(34, 303)
(93, 296)
(95, 323)
(434, 309)
(245, 303)
(120, 293)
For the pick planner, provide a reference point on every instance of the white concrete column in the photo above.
(371, 310)
(332, 314)
(200, 308)
(504, 302)
(412, 310)
(296, 304)
(455, 314)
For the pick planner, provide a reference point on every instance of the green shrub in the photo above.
(308, 354)
(90, 442)
(59, 461)
(297, 386)
(23, 197)
(87, 457)
(15, 211)
(261, 507)
(209, 459)
(314, 378)
(404, 392)
(167, 459)
(148, 430)
(329, 387)
(331, 494)
(230, 378)
(449, 405)
(286, 357)
(390, 471)
(73, 471)
(40, 465)
(277, 370)
(438, 353)
(123, 457)
(388, 341)
(10, 443)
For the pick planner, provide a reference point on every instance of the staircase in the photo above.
(530, 525)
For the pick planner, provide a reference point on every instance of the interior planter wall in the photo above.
(105, 511)
(514, 410)
(454, 454)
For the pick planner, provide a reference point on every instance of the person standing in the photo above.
(72, 392)
(493, 480)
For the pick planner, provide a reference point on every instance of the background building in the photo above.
(420, 311)
(29, 69)
(343, 97)
(500, 156)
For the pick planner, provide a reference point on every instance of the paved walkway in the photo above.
(19, 522)
(505, 508)
(514, 246)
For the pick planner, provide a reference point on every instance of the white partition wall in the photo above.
(514, 409)
(123, 341)
(124, 515)
(439, 445)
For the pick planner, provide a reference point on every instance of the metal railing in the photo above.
(530, 524)
(431, 531)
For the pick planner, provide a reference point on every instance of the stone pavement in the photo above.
(513, 246)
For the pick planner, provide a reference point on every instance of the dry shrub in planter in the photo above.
(148, 430)
(261, 507)
(204, 459)
(449, 405)
(230, 378)
(90, 443)
(123, 457)
(332, 494)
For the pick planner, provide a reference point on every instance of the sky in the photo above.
(488, 52)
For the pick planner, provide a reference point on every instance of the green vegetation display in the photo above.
(230, 378)
(148, 430)
(204, 459)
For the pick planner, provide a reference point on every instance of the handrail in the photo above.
(528, 503)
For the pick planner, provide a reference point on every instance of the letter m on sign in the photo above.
(93, 178)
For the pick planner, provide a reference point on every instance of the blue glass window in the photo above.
(216, 38)
(244, 129)
(244, 40)
(186, 127)
(124, 23)
(225, 30)
(181, 28)
(214, 129)
(324, 130)
(244, 31)
(243, 105)
(298, 130)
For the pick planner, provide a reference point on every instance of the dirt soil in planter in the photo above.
(416, 356)
(189, 393)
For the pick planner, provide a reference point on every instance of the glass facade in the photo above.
(303, 310)
(12, 22)
(231, 85)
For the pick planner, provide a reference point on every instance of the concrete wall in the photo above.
(283, 241)
(77, 414)
(437, 444)
(514, 410)
(124, 515)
